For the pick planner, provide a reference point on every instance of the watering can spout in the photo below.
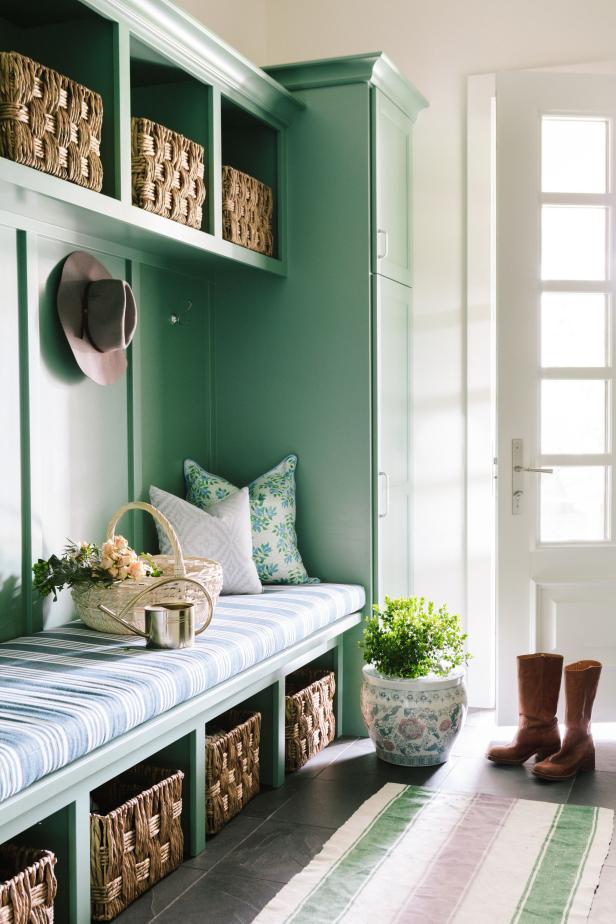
(123, 622)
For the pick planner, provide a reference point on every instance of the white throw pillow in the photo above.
(222, 533)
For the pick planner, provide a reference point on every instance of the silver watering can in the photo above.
(169, 624)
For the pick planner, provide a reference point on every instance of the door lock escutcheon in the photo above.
(518, 470)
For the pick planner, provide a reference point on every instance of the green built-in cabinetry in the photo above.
(319, 362)
(307, 351)
(238, 359)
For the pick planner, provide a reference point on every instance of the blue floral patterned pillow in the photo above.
(272, 512)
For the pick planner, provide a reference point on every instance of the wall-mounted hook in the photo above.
(179, 318)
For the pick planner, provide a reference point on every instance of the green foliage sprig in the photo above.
(80, 563)
(411, 638)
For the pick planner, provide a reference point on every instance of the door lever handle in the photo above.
(529, 468)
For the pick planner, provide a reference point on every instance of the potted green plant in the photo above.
(413, 695)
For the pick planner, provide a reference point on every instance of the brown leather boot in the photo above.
(578, 750)
(538, 688)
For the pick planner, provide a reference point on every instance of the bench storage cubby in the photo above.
(231, 766)
(136, 836)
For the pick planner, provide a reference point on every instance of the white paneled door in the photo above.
(555, 272)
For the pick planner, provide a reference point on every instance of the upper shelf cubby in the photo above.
(74, 40)
(253, 146)
(169, 95)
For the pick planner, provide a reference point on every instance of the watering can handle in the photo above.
(143, 593)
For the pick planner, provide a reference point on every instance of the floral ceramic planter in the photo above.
(413, 722)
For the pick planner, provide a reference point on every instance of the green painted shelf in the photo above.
(31, 194)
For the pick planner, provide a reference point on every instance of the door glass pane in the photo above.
(573, 244)
(573, 418)
(573, 155)
(573, 504)
(573, 329)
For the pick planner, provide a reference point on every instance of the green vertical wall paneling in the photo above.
(293, 360)
(11, 606)
(31, 456)
(83, 431)
(75, 450)
(172, 381)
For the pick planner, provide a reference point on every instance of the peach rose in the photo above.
(136, 570)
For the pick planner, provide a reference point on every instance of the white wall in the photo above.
(437, 44)
(241, 23)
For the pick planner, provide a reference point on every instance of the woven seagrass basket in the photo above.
(27, 885)
(136, 837)
(310, 724)
(247, 210)
(49, 122)
(167, 172)
(232, 766)
(206, 572)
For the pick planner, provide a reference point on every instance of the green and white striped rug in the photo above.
(411, 855)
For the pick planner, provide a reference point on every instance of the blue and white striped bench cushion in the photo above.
(66, 691)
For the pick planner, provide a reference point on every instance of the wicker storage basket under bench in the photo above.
(310, 723)
(27, 885)
(135, 836)
(49, 122)
(232, 766)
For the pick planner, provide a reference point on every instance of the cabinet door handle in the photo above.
(383, 232)
(386, 477)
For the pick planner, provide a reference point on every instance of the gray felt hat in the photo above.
(98, 315)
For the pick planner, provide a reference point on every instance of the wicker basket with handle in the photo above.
(49, 122)
(117, 596)
(27, 885)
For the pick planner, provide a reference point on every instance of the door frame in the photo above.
(480, 398)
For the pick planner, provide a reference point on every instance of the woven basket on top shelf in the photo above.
(232, 766)
(167, 173)
(135, 836)
(49, 122)
(27, 885)
(247, 211)
(116, 597)
(310, 724)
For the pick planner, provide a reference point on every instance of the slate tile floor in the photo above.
(281, 830)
